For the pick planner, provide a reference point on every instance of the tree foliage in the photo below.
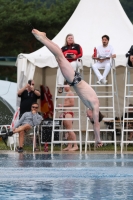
(128, 7)
(19, 17)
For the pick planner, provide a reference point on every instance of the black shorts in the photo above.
(76, 80)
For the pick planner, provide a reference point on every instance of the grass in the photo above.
(57, 147)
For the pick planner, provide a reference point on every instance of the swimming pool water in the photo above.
(66, 176)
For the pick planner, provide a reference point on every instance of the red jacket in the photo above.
(73, 48)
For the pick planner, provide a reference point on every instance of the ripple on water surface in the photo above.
(66, 176)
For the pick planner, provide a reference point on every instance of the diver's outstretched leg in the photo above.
(64, 65)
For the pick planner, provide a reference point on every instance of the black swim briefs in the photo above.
(76, 80)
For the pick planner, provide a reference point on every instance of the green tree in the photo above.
(128, 7)
(19, 17)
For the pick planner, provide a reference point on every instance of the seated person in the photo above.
(129, 54)
(72, 52)
(130, 124)
(104, 53)
(26, 122)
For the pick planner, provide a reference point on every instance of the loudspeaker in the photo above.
(47, 130)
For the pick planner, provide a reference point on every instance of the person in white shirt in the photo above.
(104, 53)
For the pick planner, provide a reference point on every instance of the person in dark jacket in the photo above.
(28, 95)
(129, 54)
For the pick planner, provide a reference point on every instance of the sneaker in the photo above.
(60, 90)
(98, 82)
(104, 81)
(20, 150)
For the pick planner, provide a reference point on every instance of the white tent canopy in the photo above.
(8, 92)
(91, 20)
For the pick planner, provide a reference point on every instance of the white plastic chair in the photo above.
(16, 140)
(35, 133)
(10, 142)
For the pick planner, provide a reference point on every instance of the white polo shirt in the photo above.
(105, 51)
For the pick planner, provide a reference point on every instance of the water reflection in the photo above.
(74, 189)
(66, 176)
(65, 160)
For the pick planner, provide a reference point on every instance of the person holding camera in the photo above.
(28, 95)
(129, 54)
(72, 52)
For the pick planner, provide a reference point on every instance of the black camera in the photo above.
(69, 55)
(29, 82)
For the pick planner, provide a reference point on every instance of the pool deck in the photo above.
(65, 152)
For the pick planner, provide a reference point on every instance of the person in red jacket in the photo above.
(72, 52)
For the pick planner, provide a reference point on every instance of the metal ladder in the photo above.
(128, 94)
(109, 110)
(59, 110)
